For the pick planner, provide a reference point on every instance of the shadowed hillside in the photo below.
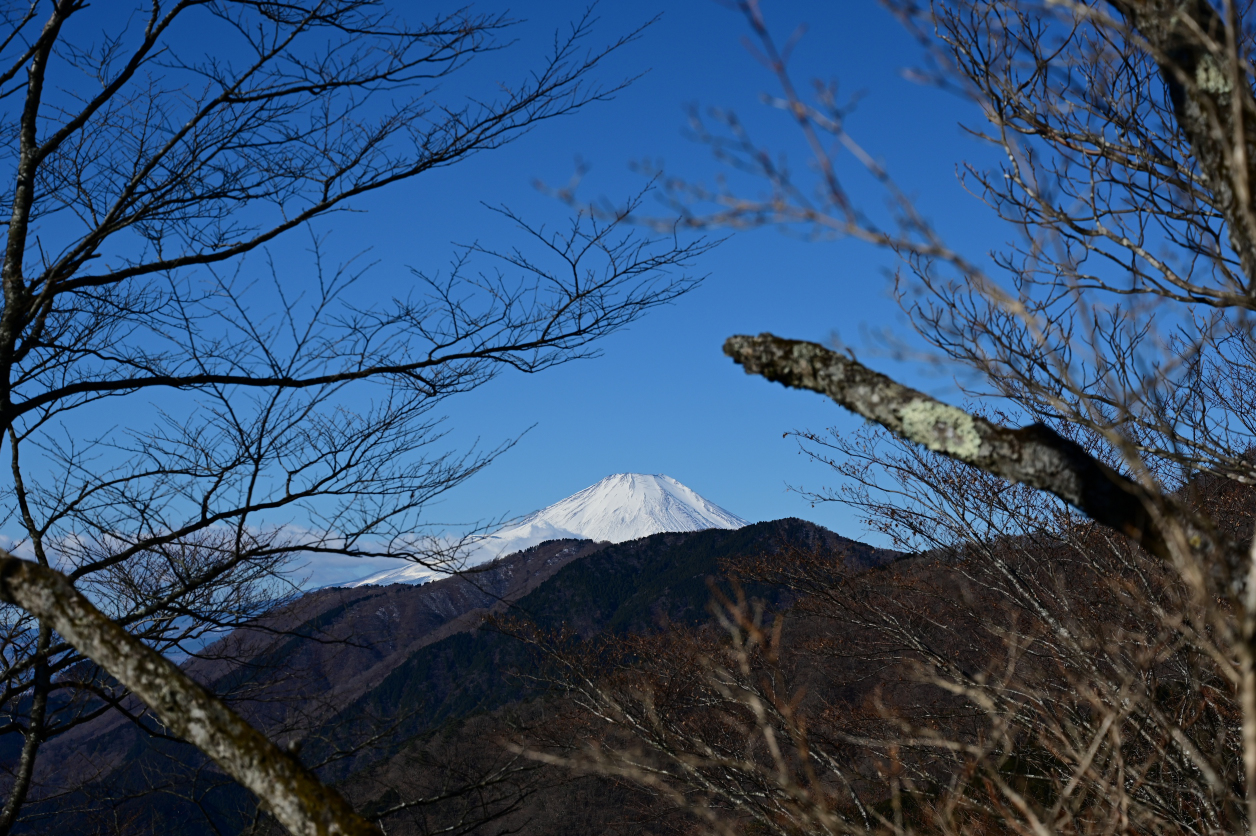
(364, 677)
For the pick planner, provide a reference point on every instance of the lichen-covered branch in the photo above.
(1207, 82)
(296, 798)
(1036, 455)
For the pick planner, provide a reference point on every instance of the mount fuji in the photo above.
(621, 507)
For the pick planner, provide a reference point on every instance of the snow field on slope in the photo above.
(624, 506)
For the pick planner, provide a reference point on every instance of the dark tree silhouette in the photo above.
(149, 149)
(1106, 545)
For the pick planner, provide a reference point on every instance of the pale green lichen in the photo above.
(1210, 78)
(940, 427)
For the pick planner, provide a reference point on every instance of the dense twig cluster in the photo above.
(1078, 662)
(147, 153)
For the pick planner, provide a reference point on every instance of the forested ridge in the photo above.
(661, 582)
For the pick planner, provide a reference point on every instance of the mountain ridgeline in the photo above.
(621, 507)
(637, 586)
(358, 677)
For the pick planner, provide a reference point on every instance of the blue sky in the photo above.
(662, 398)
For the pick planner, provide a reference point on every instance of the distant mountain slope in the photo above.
(625, 506)
(408, 659)
(627, 587)
(310, 659)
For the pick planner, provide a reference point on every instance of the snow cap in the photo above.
(623, 506)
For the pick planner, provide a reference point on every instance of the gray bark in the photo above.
(1212, 101)
(292, 794)
(1035, 455)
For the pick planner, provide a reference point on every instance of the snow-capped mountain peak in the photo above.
(621, 507)
(626, 506)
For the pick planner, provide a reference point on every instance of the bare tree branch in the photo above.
(1036, 455)
(297, 799)
(1212, 98)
